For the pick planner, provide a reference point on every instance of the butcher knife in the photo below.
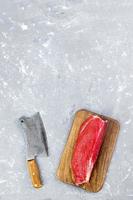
(36, 143)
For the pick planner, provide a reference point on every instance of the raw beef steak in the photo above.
(87, 147)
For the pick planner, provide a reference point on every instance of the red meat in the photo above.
(87, 147)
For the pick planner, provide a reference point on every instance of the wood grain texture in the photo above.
(34, 173)
(99, 172)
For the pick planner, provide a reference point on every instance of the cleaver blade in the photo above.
(35, 135)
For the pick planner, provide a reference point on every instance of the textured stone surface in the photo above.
(57, 57)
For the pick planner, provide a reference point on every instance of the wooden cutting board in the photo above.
(99, 172)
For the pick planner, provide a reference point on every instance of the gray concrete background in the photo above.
(57, 57)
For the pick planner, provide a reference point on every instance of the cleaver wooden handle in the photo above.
(34, 173)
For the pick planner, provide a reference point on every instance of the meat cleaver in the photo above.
(36, 143)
